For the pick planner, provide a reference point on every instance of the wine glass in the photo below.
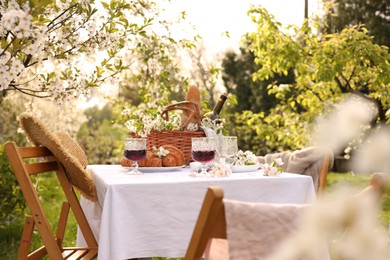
(203, 151)
(135, 150)
(229, 148)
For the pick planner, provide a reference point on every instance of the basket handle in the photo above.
(193, 109)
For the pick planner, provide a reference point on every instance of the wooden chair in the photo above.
(20, 159)
(323, 175)
(211, 221)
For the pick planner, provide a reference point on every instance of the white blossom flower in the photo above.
(217, 125)
(220, 169)
(245, 158)
(273, 168)
(279, 161)
(160, 152)
(17, 66)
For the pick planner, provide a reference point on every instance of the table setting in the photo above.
(148, 204)
(215, 157)
(153, 212)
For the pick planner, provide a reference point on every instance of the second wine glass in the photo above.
(229, 148)
(203, 151)
(135, 150)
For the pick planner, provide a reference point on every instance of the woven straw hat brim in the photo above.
(72, 147)
(67, 151)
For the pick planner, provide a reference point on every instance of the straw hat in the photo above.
(67, 151)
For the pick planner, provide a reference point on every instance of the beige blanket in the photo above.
(255, 230)
(307, 161)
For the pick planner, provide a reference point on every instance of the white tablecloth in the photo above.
(154, 214)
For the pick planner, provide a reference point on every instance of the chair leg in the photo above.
(25, 241)
(323, 176)
(62, 222)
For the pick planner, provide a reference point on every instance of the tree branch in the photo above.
(60, 23)
(109, 76)
(35, 62)
(61, 14)
(9, 44)
(375, 102)
(341, 86)
(24, 83)
(27, 61)
(27, 92)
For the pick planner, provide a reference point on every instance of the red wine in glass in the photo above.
(135, 150)
(135, 155)
(203, 151)
(203, 156)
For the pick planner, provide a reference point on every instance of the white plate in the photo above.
(156, 169)
(246, 168)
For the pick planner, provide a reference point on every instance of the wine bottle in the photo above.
(213, 115)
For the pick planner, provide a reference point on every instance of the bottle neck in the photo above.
(219, 105)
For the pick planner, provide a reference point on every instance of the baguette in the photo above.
(193, 95)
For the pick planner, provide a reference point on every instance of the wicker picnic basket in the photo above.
(179, 138)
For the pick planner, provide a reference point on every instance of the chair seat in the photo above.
(80, 253)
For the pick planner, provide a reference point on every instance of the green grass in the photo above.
(52, 195)
(335, 181)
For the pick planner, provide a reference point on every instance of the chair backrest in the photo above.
(24, 166)
(312, 161)
(211, 221)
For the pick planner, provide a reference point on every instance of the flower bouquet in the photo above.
(272, 169)
(244, 162)
(244, 158)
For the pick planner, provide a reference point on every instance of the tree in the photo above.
(64, 49)
(326, 69)
(160, 78)
(12, 200)
(204, 74)
(154, 81)
(252, 97)
(101, 139)
(237, 71)
(9, 126)
(374, 14)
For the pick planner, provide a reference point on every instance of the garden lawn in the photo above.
(359, 181)
(52, 196)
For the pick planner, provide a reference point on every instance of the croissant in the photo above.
(153, 161)
(125, 162)
(174, 158)
(150, 160)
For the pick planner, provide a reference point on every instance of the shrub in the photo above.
(12, 202)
